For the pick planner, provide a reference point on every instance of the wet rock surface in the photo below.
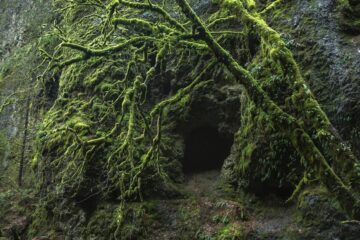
(208, 213)
(330, 60)
(324, 219)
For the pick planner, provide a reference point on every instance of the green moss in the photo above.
(246, 156)
(318, 208)
(40, 222)
(231, 232)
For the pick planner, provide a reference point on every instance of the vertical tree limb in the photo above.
(23, 147)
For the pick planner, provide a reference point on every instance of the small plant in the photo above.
(231, 232)
(200, 235)
(357, 167)
(224, 219)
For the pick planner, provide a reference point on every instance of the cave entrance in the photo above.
(205, 149)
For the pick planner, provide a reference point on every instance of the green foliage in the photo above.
(228, 232)
(231, 232)
(357, 168)
(40, 221)
(5, 197)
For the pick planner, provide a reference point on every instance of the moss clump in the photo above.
(101, 224)
(231, 232)
(40, 223)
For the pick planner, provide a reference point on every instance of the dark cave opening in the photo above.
(205, 149)
(266, 190)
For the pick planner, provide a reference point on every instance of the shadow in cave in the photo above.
(205, 149)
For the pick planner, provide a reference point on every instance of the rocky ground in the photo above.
(207, 213)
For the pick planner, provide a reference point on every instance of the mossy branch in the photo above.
(221, 20)
(109, 50)
(159, 107)
(271, 6)
(146, 25)
(154, 8)
(7, 101)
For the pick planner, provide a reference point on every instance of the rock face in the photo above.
(330, 58)
(22, 22)
(329, 55)
(320, 213)
(21, 25)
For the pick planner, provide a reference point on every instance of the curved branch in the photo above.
(154, 8)
(271, 6)
(109, 50)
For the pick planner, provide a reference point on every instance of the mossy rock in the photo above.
(323, 216)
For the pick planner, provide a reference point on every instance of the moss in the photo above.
(250, 3)
(40, 223)
(319, 210)
(273, 5)
(231, 232)
(246, 156)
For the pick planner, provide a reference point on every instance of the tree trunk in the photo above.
(23, 147)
